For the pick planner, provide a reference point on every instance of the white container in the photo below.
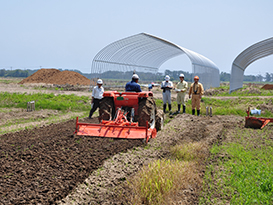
(255, 112)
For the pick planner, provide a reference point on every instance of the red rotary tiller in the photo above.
(118, 128)
(256, 122)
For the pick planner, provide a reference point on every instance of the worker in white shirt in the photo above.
(166, 86)
(97, 95)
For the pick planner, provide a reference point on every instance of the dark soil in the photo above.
(45, 164)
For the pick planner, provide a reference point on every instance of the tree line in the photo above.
(174, 75)
(225, 77)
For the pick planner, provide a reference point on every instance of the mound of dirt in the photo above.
(54, 76)
(268, 87)
(212, 91)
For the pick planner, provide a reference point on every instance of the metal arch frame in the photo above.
(245, 58)
(146, 53)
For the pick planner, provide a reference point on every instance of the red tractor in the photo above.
(128, 115)
(140, 107)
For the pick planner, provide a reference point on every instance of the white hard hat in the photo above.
(99, 81)
(167, 77)
(181, 75)
(135, 76)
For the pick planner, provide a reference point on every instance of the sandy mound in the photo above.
(268, 87)
(54, 76)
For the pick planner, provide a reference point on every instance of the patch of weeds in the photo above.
(241, 170)
(156, 183)
(189, 151)
(78, 141)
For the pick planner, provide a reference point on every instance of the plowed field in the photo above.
(44, 164)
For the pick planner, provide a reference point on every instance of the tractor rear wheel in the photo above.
(107, 108)
(147, 112)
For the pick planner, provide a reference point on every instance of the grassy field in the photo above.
(45, 101)
(66, 107)
(246, 90)
(241, 170)
(236, 106)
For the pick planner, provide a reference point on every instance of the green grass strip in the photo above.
(243, 174)
(45, 101)
(254, 91)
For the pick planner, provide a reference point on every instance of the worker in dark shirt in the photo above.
(133, 85)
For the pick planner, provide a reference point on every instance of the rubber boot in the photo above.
(198, 112)
(164, 108)
(184, 109)
(170, 107)
(193, 111)
(179, 106)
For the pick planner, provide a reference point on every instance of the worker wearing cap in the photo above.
(97, 95)
(133, 85)
(182, 87)
(196, 90)
(166, 86)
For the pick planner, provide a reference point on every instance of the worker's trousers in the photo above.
(167, 97)
(195, 101)
(96, 104)
(181, 98)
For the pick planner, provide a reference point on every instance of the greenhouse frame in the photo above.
(244, 59)
(146, 53)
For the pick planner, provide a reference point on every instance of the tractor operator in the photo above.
(197, 91)
(166, 86)
(97, 95)
(133, 85)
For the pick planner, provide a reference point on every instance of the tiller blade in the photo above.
(119, 128)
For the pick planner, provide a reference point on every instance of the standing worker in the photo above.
(166, 86)
(133, 85)
(182, 87)
(97, 95)
(197, 91)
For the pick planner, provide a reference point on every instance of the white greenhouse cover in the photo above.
(256, 51)
(146, 53)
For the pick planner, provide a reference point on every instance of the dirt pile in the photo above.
(213, 91)
(268, 87)
(54, 76)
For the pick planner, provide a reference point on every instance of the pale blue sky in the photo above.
(68, 34)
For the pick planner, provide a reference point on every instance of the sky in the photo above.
(68, 34)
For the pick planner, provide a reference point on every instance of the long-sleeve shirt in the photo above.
(196, 88)
(183, 86)
(98, 92)
(132, 86)
(164, 85)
